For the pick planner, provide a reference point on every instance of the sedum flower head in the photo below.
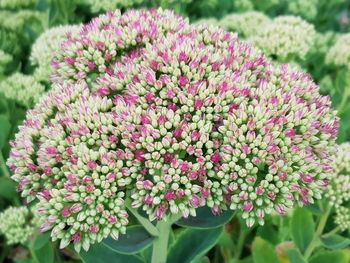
(48, 44)
(245, 24)
(23, 89)
(188, 118)
(342, 218)
(109, 36)
(16, 224)
(106, 5)
(339, 53)
(286, 37)
(339, 187)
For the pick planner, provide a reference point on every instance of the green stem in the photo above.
(160, 244)
(334, 231)
(240, 244)
(3, 166)
(143, 221)
(316, 239)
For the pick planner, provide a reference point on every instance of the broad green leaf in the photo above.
(335, 242)
(295, 256)
(263, 251)
(99, 253)
(314, 208)
(192, 244)
(205, 219)
(135, 240)
(302, 228)
(45, 254)
(41, 240)
(330, 257)
(269, 233)
(7, 188)
(5, 128)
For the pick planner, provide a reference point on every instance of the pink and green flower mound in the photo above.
(171, 117)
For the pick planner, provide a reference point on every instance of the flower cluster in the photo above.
(16, 224)
(108, 37)
(47, 45)
(173, 117)
(97, 6)
(246, 24)
(339, 53)
(23, 89)
(339, 188)
(286, 37)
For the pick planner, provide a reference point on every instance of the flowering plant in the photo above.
(152, 122)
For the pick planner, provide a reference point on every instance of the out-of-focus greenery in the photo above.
(314, 35)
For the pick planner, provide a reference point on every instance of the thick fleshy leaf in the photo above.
(335, 242)
(41, 240)
(295, 256)
(135, 240)
(99, 253)
(263, 251)
(302, 228)
(45, 254)
(192, 244)
(7, 188)
(330, 257)
(205, 219)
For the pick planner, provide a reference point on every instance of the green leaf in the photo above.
(302, 228)
(45, 254)
(263, 251)
(41, 240)
(5, 128)
(269, 233)
(205, 219)
(7, 188)
(192, 244)
(99, 253)
(295, 256)
(314, 208)
(135, 240)
(335, 242)
(330, 257)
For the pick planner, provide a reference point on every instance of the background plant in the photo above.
(317, 233)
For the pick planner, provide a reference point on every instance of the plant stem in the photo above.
(316, 239)
(3, 166)
(160, 244)
(143, 221)
(240, 244)
(334, 231)
(343, 101)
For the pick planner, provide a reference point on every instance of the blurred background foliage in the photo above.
(313, 35)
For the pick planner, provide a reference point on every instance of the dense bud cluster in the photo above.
(24, 89)
(47, 45)
(17, 224)
(339, 188)
(245, 24)
(339, 53)
(173, 117)
(107, 38)
(285, 37)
